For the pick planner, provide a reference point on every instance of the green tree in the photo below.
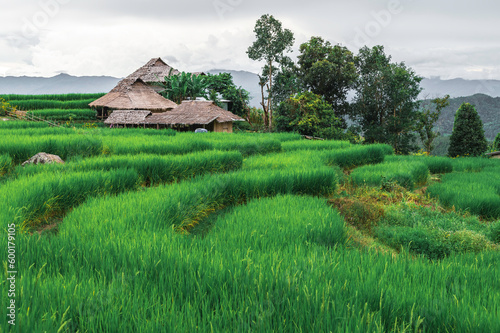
(270, 46)
(427, 119)
(222, 85)
(496, 143)
(308, 114)
(184, 85)
(467, 138)
(386, 101)
(328, 71)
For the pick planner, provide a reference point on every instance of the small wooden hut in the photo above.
(495, 154)
(131, 94)
(190, 115)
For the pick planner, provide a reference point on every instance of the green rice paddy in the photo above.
(158, 231)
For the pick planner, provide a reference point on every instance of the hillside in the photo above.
(59, 84)
(488, 108)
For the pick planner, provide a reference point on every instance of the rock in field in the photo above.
(43, 158)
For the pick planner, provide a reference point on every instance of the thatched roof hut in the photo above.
(194, 114)
(127, 117)
(135, 95)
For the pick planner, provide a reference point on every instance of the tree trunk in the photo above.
(269, 96)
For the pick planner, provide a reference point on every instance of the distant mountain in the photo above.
(487, 107)
(435, 87)
(59, 84)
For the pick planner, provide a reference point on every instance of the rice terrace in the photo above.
(174, 206)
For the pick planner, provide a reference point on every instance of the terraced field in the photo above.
(158, 231)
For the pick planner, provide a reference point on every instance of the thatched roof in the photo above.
(135, 95)
(153, 71)
(122, 117)
(191, 113)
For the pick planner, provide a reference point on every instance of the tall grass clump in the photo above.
(282, 136)
(5, 164)
(32, 201)
(432, 233)
(246, 144)
(471, 164)
(146, 144)
(478, 193)
(54, 97)
(406, 174)
(40, 104)
(436, 164)
(22, 147)
(131, 132)
(314, 145)
(357, 155)
(20, 124)
(37, 131)
(433, 243)
(152, 169)
(64, 114)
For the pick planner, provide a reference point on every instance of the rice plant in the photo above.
(54, 97)
(478, 193)
(32, 201)
(64, 114)
(152, 169)
(436, 164)
(22, 147)
(5, 164)
(314, 145)
(19, 124)
(357, 155)
(405, 174)
(39, 104)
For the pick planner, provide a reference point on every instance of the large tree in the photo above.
(386, 100)
(272, 41)
(427, 118)
(329, 71)
(467, 138)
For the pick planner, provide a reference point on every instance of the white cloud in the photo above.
(444, 38)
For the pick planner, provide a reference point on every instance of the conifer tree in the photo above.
(467, 138)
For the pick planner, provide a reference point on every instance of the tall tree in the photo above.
(329, 71)
(467, 138)
(270, 46)
(386, 99)
(427, 119)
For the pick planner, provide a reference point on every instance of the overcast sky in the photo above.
(446, 38)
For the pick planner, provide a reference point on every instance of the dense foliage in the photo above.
(386, 99)
(308, 114)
